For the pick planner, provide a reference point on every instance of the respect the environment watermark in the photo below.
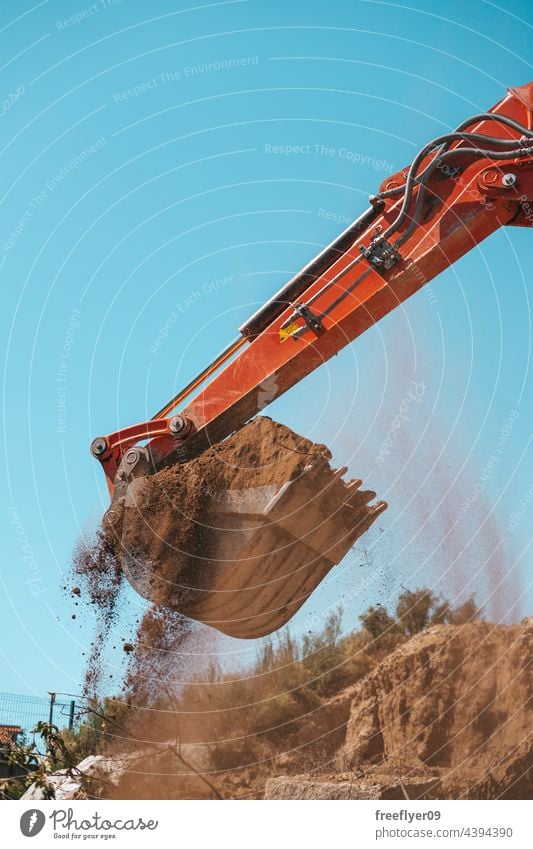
(49, 186)
(186, 72)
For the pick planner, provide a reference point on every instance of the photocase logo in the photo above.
(32, 822)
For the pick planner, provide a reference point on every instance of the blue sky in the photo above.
(140, 179)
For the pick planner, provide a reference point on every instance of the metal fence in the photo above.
(25, 712)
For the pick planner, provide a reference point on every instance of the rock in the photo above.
(510, 777)
(64, 788)
(67, 786)
(453, 697)
(302, 788)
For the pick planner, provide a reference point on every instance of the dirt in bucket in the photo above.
(170, 524)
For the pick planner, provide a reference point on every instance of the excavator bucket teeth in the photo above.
(260, 552)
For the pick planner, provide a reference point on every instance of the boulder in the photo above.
(453, 697)
(302, 787)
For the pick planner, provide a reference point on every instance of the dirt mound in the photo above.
(454, 698)
(447, 715)
(239, 537)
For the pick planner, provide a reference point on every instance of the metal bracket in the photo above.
(312, 320)
(135, 463)
(290, 330)
(381, 254)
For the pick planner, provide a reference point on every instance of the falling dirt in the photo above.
(96, 565)
(160, 634)
(157, 658)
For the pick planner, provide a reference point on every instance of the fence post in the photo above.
(71, 715)
(51, 712)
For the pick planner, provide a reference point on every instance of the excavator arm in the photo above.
(243, 554)
(460, 188)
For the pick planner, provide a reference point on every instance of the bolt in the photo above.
(132, 455)
(508, 180)
(98, 446)
(490, 176)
